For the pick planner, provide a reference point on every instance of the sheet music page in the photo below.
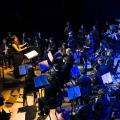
(50, 56)
(31, 54)
(40, 81)
(37, 81)
(22, 70)
(45, 62)
(44, 65)
(77, 91)
(74, 92)
(104, 78)
(71, 93)
(109, 77)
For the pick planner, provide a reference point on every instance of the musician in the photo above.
(52, 92)
(71, 41)
(81, 35)
(96, 36)
(17, 54)
(63, 48)
(85, 84)
(40, 44)
(29, 85)
(51, 45)
(109, 60)
(67, 29)
(86, 112)
(102, 67)
(102, 106)
(4, 49)
(97, 80)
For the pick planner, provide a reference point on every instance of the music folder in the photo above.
(31, 54)
(107, 78)
(50, 56)
(44, 66)
(73, 92)
(23, 69)
(58, 55)
(75, 71)
(41, 81)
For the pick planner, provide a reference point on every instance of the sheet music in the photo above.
(23, 69)
(74, 92)
(107, 78)
(44, 65)
(40, 81)
(31, 54)
(75, 71)
(50, 56)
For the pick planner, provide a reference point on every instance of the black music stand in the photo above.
(41, 81)
(31, 55)
(23, 69)
(75, 72)
(44, 66)
(73, 93)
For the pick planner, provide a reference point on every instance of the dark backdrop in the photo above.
(50, 15)
(90, 11)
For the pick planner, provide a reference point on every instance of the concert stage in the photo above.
(12, 90)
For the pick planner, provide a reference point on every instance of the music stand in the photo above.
(58, 55)
(74, 92)
(40, 81)
(44, 66)
(75, 71)
(31, 54)
(50, 56)
(23, 69)
(107, 78)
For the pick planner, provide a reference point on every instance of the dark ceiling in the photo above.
(50, 15)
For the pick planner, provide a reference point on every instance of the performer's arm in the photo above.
(18, 49)
(22, 45)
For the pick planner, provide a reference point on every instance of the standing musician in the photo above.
(17, 54)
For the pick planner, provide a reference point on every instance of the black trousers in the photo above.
(17, 61)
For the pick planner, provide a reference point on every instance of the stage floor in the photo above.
(12, 90)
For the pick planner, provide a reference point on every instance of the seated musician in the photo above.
(97, 80)
(51, 45)
(109, 60)
(52, 93)
(102, 67)
(17, 54)
(29, 86)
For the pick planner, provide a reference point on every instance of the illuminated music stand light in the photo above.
(107, 78)
(31, 54)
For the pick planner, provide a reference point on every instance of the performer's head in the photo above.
(15, 40)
